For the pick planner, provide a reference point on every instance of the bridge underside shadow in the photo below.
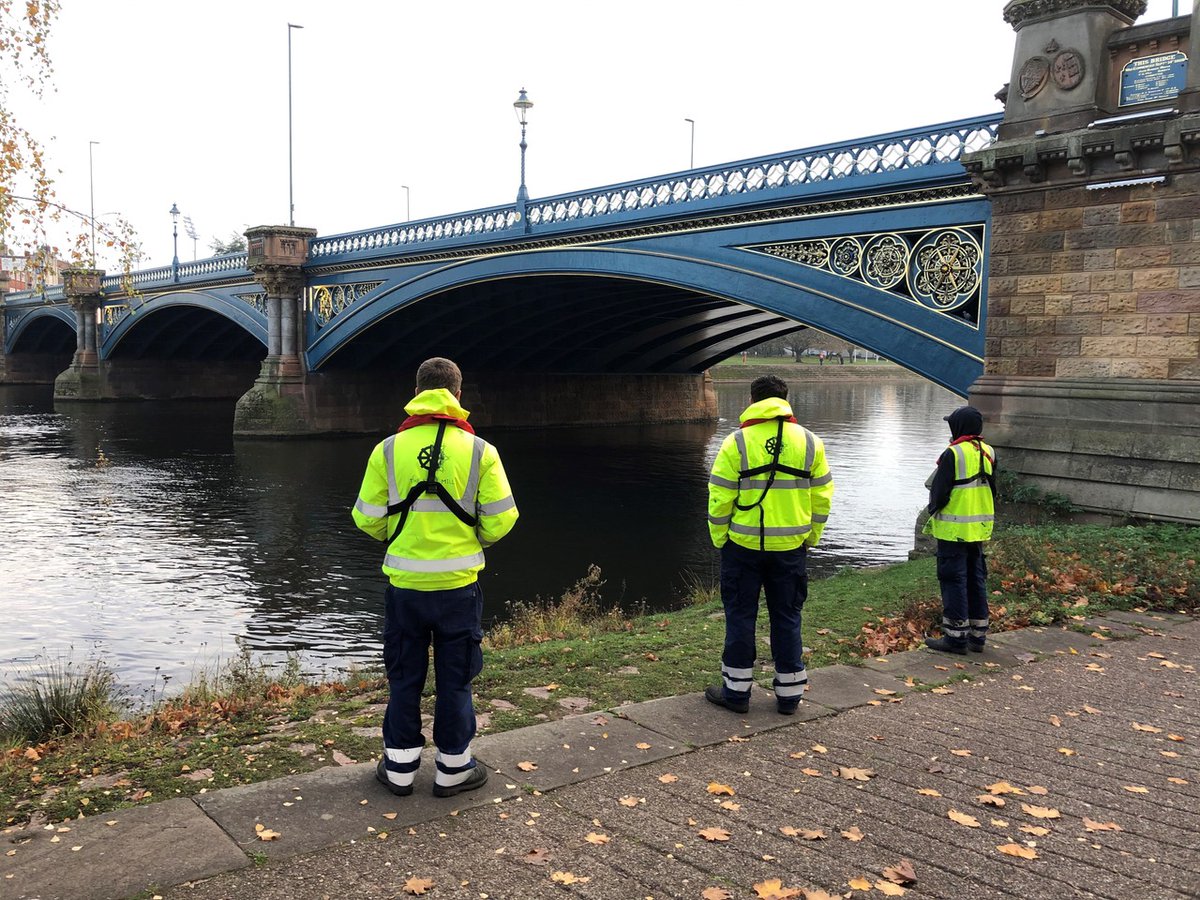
(40, 350)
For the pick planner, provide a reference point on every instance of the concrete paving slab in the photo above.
(924, 666)
(149, 846)
(1044, 640)
(1111, 628)
(844, 687)
(333, 805)
(1153, 620)
(691, 720)
(573, 749)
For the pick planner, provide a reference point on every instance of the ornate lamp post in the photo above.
(175, 237)
(522, 105)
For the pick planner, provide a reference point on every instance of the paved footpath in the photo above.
(1055, 765)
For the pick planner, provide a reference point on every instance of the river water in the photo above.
(144, 535)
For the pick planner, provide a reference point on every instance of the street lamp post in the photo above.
(175, 238)
(692, 155)
(92, 197)
(291, 201)
(522, 105)
(407, 203)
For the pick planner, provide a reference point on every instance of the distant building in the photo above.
(31, 272)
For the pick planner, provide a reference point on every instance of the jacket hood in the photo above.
(438, 402)
(770, 408)
(965, 420)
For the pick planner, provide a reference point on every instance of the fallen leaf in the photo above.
(389, 815)
(812, 834)
(999, 823)
(853, 834)
(737, 739)
(1055, 721)
(594, 838)
(599, 720)
(824, 631)
(1066, 751)
(715, 787)
(860, 884)
(715, 893)
(1178, 780)
(538, 856)
(819, 748)
(1041, 812)
(642, 745)
(730, 805)
(961, 752)
(1154, 654)
(568, 878)
(1137, 789)
(884, 692)
(990, 800)
(887, 887)
(1091, 710)
(929, 792)
(852, 774)
(814, 773)
(526, 766)
(773, 889)
(799, 754)
(668, 778)
(816, 894)
(265, 834)
(1018, 850)
(963, 818)
(901, 873)
(1150, 729)
(1037, 789)
(1093, 825)
(942, 690)
(417, 886)
(1003, 787)
(1169, 754)
(714, 834)
(631, 801)
(1175, 737)
(1038, 830)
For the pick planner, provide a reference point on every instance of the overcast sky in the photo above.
(189, 100)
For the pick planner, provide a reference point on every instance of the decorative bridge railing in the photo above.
(681, 193)
(765, 179)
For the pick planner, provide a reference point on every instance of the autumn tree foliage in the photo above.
(33, 222)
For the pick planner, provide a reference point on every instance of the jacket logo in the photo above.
(773, 446)
(425, 458)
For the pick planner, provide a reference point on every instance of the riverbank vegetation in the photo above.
(246, 722)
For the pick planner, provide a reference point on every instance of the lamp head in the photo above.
(522, 104)
(174, 212)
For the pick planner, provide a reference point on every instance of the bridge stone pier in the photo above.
(1092, 379)
(81, 380)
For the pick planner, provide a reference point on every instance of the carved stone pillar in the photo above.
(83, 379)
(3, 328)
(276, 257)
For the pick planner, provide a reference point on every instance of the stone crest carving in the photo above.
(1067, 70)
(1033, 76)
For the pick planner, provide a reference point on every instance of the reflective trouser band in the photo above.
(404, 564)
(954, 628)
(737, 680)
(453, 768)
(778, 531)
(370, 509)
(790, 685)
(720, 520)
(401, 765)
(964, 520)
(979, 627)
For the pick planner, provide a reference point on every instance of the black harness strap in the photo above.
(772, 468)
(430, 486)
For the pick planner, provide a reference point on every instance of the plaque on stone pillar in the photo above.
(1149, 78)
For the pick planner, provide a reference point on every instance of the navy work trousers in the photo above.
(452, 621)
(783, 577)
(962, 574)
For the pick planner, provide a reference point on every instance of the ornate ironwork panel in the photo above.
(256, 299)
(327, 301)
(939, 268)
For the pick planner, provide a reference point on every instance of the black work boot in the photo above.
(477, 779)
(400, 790)
(975, 646)
(945, 645)
(715, 694)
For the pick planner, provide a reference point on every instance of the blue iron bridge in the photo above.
(882, 241)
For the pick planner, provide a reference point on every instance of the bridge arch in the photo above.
(46, 329)
(186, 325)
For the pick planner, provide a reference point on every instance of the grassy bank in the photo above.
(247, 724)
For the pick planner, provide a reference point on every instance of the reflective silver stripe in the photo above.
(410, 755)
(789, 691)
(791, 677)
(810, 442)
(467, 500)
(780, 531)
(389, 463)
(454, 760)
(497, 507)
(943, 517)
(401, 779)
(955, 628)
(960, 461)
(370, 509)
(433, 565)
(720, 520)
(785, 483)
(722, 482)
(819, 518)
(742, 674)
(824, 479)
(739, 438)
(430, 504)
(978, 623)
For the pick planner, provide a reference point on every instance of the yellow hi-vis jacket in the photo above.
(435, 550)
(970, 512)
(794, 507)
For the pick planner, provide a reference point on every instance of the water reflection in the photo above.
(144, 533)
